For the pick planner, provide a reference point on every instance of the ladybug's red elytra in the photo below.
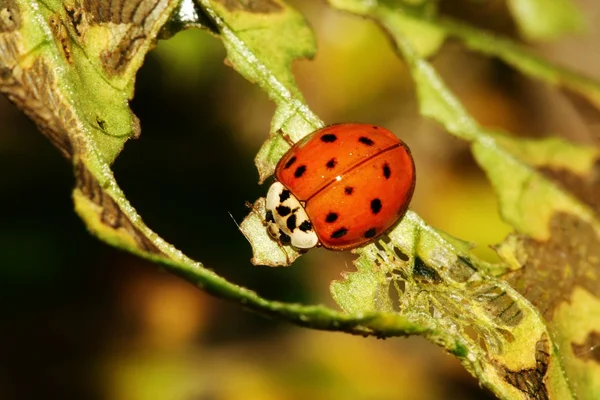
(340, 187)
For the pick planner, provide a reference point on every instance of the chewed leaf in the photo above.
(71, 68)
(561, 277)
(262, 39)
(551, 195)
(425, 278)
(266, 250)
(522, 173)
(546, 19)
(49, 69)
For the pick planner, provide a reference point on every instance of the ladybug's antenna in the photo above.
(238, 226)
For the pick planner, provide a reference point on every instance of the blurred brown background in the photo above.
(81, 320)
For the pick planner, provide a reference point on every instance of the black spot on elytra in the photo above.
(387, 172)
(328, 138)
(300, 171)
(291, 222)
(331, 217)
(375, 206)
(370, 233)
(284, 195)
(331, 163)
(366, 141)
(375, 127)
(305, 226)
(269, 216)
(290, 162)
(284, 238)
(339, 233)
(348, 190)
(283, 210)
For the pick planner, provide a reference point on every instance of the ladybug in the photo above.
(340, 187)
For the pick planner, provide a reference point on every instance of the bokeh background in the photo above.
(81, 320)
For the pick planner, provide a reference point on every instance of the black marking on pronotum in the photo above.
(370, 233)
(291, 222)
(387, 172)
(348, 190)
(305, 226)
(331, 163)
(328, 138)
(339, 233)
(300, 171)
(366, 141)
(290, 162)
(375, 206)
(284, 238)
(283, 210)
(284, 195)
(331, 217)
(269, 216)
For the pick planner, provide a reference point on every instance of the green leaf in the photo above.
(546, 19)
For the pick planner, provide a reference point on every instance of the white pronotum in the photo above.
(287, 220)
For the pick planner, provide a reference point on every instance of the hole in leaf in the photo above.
(400, 254)
(423, 272)
(482, 344)
(471, 333)
(385, 239)
(394, 294)
(401, 284)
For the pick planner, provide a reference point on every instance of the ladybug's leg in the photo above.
(285, 137)
(254, 210)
